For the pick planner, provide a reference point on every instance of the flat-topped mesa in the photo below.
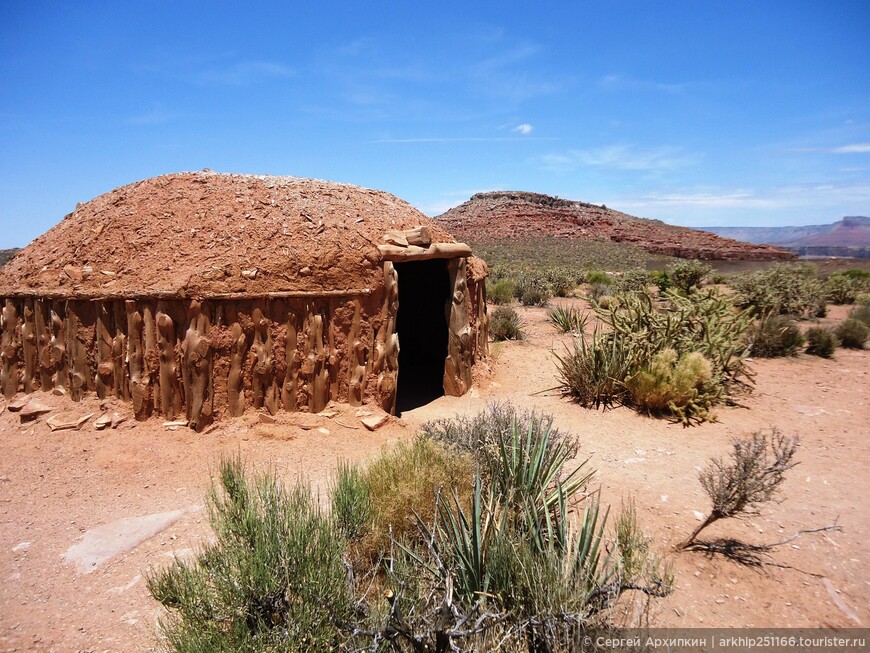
(203, 294)
(517, 214)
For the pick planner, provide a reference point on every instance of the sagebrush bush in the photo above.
(774, 336)
(821, 342)
(567, 318)
(505, 324)
(752, 476)
(261, 585)
(840, 289)
(534, 296)
(782, 288)
(687, 276)
(852, 333)
(501, 291)
(861, 313)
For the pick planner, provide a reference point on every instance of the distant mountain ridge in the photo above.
(504, 215)
(847, 237)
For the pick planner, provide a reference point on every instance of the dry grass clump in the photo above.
(852, 333)
(821, 342)
(775, 336)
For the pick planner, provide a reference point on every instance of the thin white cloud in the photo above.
(625, 83)
(618, 157)
(854, 148)
(460, 139)
(244, 73)
(524, 129)
(851, 148)
(821, 196)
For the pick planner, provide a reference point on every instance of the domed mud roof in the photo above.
(203, 233)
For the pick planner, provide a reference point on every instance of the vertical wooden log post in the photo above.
(196, 368)
(235, 379)
(119, 353)
(30, 348)
(357, 353)
(457, 367)
(140, 380)
(58, 348)
(9, 350)
(170, 387)
(290, 389)
(263, 364)
(386, 358)
(41, 314)
(104, 381)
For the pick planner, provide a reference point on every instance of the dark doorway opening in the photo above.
(421, 322)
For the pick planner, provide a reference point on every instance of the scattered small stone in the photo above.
(266, 418)
(374, 422)
(117, 419)
(18, 404)
(699, 515)
(172, 426)
(329, 414)
(66, 423)
(60, 392)
(21, 546)
(32, 410)
(323, 431)
(102, 422)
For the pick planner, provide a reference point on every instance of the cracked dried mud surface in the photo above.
(55, 487)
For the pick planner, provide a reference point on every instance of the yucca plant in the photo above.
(567, 318)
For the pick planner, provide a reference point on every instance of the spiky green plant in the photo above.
(567, 318)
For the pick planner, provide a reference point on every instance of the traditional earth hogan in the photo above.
(200, 295)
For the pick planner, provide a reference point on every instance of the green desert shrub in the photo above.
(567, 318)
(861, 313)
(634, 280)
(775, 336)
(522, 559)
(821, 342)
(598, 276)
(662, 280)
(505, 324)
(852, 333)
(260, 585)
(535, 296)
(597, 369)
(560, 281)
(501, 291)
(840, 289)
(862, 299)
(782, 288)
(687, 276)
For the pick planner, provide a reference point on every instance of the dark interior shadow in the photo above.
(421, 322)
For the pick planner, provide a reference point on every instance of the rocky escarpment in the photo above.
(515, 214)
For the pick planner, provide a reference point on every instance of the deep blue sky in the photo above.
(696, 113)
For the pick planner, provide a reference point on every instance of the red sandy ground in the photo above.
(56, 486)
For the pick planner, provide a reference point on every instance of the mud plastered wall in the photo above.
(201, 360)
(191, 359)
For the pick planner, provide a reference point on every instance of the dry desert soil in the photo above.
(84, 514)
